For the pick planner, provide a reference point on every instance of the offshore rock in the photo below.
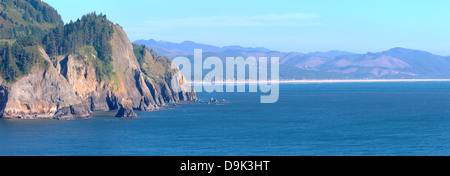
(73, 112)
(126, 110)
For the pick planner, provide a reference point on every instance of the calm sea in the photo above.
(309, 119)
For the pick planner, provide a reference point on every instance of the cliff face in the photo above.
(70, 87)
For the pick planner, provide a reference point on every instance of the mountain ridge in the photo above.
(331, 53)
(171, 49)
(395, 63)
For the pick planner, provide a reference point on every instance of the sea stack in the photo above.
(126, 110)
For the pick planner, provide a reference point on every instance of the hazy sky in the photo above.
(294, 25)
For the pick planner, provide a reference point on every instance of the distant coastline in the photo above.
(324, 81)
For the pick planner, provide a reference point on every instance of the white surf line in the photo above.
(321, 81)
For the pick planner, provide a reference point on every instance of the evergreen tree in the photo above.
(10, 69)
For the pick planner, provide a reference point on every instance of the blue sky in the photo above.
(294, 25)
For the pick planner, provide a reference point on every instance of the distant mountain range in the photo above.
(172, 50)
(396, 63)
(332, 53)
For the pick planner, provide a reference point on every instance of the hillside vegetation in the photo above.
(23, 25)
(21, 18)
(51, 70)
(91, 30)
(27, 25)
(154, 66)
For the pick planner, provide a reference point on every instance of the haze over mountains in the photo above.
(170, 49)
(396, 63)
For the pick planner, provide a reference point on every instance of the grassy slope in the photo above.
(16, 15)
(152, 65)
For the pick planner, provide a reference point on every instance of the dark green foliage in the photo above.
(26, 24)
(9, 69)
(33, 11)
(45, 13)
(28, 41)
(139, 52)
(94, 30)
(36, 18)
(21, 31)
(91, 30)
(17, 61)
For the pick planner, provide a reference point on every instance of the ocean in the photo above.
(314, 119)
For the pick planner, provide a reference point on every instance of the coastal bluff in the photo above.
(70, 88)
(70, 71)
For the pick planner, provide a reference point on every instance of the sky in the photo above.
(283, 25)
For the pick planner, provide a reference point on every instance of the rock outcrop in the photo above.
(72, 112)
(39, 95)
(126, 110)
(70, 88)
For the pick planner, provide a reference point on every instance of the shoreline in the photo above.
(322, 81)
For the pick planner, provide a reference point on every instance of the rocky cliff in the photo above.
(71, 86)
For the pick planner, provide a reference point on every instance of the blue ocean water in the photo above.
(309, 119)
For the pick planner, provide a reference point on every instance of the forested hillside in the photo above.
(21, 18)
(51, 70)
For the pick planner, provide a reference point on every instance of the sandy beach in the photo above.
(322, 81)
